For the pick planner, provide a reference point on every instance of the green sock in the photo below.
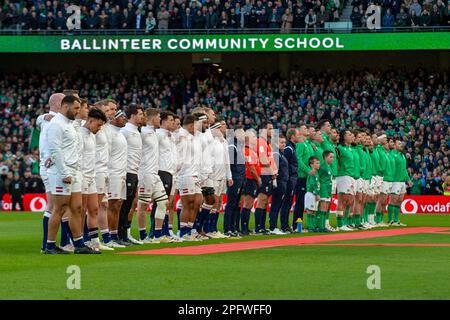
(321, 224)
(357, 219)
(327, 216)
(340, 221)
(397, 213)
(311, 221)
(379, 217)
(317, 217)
(390, 212)
(346, 216)
(366, 213)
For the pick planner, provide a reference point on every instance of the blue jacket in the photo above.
(283, 167)
(291, 157)
(237, 160)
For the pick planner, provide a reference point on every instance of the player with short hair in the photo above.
(386, 182)
(358, 172)
(252, 179)
(189, 166)
(117, 173)
(325, 192)
(368, 199)
(398, 190)
(151, 188)
(65, 176)
(312, 195)
(95, 120)
(174, 191)
(268, 176)
(130, 131)
(304, 151)
(43, 122)
(345, 183)
(109, 108)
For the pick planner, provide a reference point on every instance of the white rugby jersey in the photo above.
(88, 154)
(43, 124)
(150, 151)
(134, 141)
(101, 151)
(118, 150)
(189, 154)
(167, 151)
(221, 159)
(64, 146)
(206, 139)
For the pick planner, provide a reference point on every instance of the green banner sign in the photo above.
(231, 43)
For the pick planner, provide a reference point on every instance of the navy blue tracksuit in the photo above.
(291, 157)
(232, 209)
(278, 193)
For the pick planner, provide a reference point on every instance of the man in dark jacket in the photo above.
(211, 19)
(16, 190)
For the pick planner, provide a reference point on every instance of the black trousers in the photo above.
(232, 210)
(167, 181)
(287, 203)
(132, 185)
(277, 199)
(299, 201)
(16, 200)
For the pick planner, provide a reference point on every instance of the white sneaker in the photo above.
(165, 239)
(344, 228)
(330, 229)
(176, 239)
(220, 235)
(188, 237)
(212, 235)
(147, 240)
(97, 244)
(93, 245)
(113, 244)
(383, 224)
(69, 248)
(133, 240)
(399, 224)
(277, 231)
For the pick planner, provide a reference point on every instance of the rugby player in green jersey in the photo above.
(383, 168)
(389, 172)
(398, 190)
(370, 176)
(345, 183)
(325, 180)
(359, 170)
(312, 195)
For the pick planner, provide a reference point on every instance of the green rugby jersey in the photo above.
(319, 152)
(327, 145)
(382, 160)
(369, 171)
(390, 167)
(346, 161)
(375, 157)
(357, 163)
(325, 177)
(303, 151)
(313, 184)
(400, 171)
(362, 161)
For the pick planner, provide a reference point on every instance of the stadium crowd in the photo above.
(162, 15)
(412, 105)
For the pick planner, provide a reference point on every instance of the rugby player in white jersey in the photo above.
(65, 176)
(189, 165)
(130, 131)
(95, 120)
(109, 108)
(43, 122)
(167, 164)
(151, 188)
(117, 173)
(174, 191)
(221, 174)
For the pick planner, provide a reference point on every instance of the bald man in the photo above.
(42, 123)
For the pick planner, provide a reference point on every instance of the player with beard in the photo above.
(65, 176)
(384, 172)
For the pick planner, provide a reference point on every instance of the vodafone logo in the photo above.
(38, 204)
(410, 206)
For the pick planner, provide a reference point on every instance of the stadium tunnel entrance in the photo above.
(281, 62)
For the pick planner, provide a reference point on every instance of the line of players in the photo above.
(99, 163)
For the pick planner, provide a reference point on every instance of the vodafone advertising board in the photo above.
(410, 205)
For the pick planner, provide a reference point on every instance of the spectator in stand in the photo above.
(24, 19)
(415, 7)
(356, 18)
(262, 19)
(446, 186)
(413, 20)
(299, 17)
(417, 185)
(163, 19)
(274, 19)
(322, 17)
(199, 20)
(150, 23)
(140, 20)
(212, 19)
(103, 20)
(114, 19)
(436, 17)
(60, 21)
(310, 21)
(286, 21)
(187, 19)
(252, 19)
(401, 18)
(92, 21)
(388, 21)
(425, 18)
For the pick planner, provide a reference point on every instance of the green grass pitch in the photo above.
(290, 272)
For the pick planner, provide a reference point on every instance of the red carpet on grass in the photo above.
(381, 244)
(292, 241)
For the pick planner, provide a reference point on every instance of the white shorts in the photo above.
(150, 185)
(386, 187)
(88, 186)
(44, 177)
(359, 185)
(345, 185)
(117, 188)
(59, 188)
(378, 182)
(101, 182)
(207, 183)
(371, 187)
(220, 187)
(189, 186)
(398, 188)
(333, 186)
(310, 202)
(174, 185)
